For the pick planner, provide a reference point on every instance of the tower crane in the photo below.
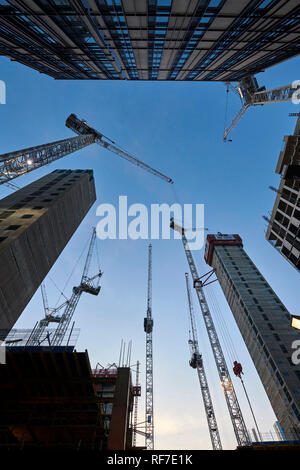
(23, 161)
(196, 362)
(252, 95)
(87, 284)
(81, 127)
(148, 327)
(235, 412)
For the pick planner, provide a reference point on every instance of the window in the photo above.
(27, 216)
(36, 208)
(13, 227)
(283, 348)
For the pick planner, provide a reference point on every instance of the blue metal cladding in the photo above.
(126, 39)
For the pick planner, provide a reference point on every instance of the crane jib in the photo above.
(81, 127)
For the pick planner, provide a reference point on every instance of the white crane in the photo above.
(252, 95)
(87, 284)
(14, 164)
(235, 412)
(148, 327)
(196, 362)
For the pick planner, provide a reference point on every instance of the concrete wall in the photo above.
(265, 326)
(36, 223)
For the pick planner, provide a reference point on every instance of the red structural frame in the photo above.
(212, 241)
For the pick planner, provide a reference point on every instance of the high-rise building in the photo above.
(36, 223)
(150, 39)
(264, 323)
(284, 224)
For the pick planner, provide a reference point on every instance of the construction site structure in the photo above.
(87, 284)
(14, 164)
(137, 394)
(251, 94)
(283, 231)
(235, 412)
(36, 223)
(264, 323)
(148, 327)
(196, 362)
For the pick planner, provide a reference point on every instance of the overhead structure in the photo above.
(235, 412)
(87, 284)
(207, 40)
(196, 362)
(23, 161)
(148, 327)
(252, 95)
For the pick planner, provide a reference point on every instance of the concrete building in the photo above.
(36, 223)
(150, 39)
(264, 323)
(284, 224)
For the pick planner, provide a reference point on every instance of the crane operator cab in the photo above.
(196, 360)
(148, 325)
(89, 289)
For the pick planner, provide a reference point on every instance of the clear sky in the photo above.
(177, 128)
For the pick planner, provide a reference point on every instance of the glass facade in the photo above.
(149, 39)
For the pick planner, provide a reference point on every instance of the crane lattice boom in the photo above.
(81, 127)
(235, 412)
(148, 327)
(197, 363)
(63, 321)
(135, 411)
(23, 161)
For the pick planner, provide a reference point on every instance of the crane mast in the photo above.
(196, 362)
(252, 95)
(63, 321)
(135, 411)
(148, 327)
(235, 412)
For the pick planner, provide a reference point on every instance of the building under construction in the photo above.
(51, 397)
(223, 40)
(283, 230)
(264, 323)
(36, 223)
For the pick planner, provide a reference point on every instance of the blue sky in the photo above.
(177, 128)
